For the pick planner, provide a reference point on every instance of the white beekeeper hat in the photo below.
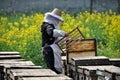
(56, 13)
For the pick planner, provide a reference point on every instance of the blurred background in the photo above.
(20, 24)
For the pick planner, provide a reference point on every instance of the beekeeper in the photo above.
(50, 34)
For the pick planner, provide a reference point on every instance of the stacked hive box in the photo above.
(12, 67)
(108, 73)
(86, 61)
(80, 48)
(93, 68)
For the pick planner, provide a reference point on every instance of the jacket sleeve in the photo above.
(54, 32)
(58, 33)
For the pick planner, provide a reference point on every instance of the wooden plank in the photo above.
(15, 73)
(16, 62)
(10, 57)
(113, 69)
(90, 53)
(9, 53)
(115, 61)
(90, 60)
(82, 45)
(22, 63)
(63, 77)
(6, 65)
(26, 67)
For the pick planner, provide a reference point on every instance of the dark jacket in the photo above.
(47, 34)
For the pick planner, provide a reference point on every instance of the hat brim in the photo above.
(55, 16)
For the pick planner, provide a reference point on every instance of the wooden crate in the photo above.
(5, 64)
(86, 61)
(80, 48)
(115, 61)
(84, 47)
(58, 77)
(16, 73)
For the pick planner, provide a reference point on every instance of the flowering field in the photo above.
(22, 33)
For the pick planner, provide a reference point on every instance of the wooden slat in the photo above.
(90, 60)
(115, 61)
(9, 53)
(10, 57)
(113, 69)
(63, 77)
(16, 62)
(22, 63)
(26, 67)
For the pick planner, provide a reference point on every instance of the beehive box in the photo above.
(86, 61)
(84, 47)
(5, 64)
(7, 56)
(16, 73)
(108, 73)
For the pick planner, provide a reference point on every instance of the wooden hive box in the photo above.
(84, 47)
(110, 73)
(86, 61)
(79, 48)
(16, 73)
(7, 56)
(6, 64)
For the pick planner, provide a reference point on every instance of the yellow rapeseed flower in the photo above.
(16, 24)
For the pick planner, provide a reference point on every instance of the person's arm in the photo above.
(59, 33)
(55, 32)
(49, 30)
